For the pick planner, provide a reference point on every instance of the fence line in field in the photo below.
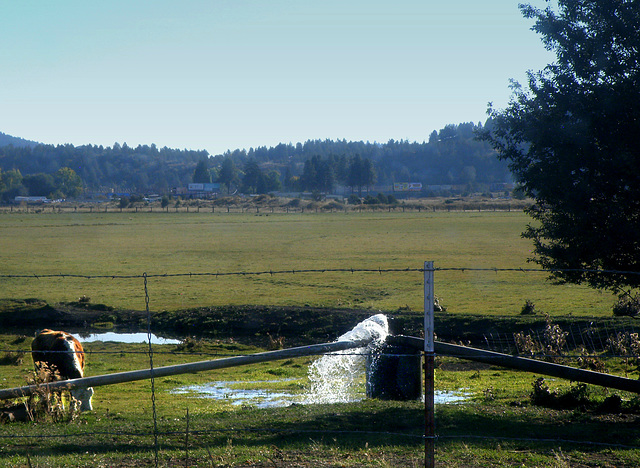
(311, 207)
(156, 433)
(314, 270)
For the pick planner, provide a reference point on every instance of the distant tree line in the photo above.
(119, 168)
(64, 183)
(452, 156)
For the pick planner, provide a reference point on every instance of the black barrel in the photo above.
(394, 373)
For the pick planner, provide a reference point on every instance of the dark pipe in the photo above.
(520, 363)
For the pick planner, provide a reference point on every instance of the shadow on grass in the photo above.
(371, 423)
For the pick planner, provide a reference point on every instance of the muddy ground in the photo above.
(295, 326)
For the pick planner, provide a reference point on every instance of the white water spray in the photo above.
(335, 377)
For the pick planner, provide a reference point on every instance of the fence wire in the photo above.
(591, 340)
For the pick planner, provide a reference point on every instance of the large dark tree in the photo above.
(228, 173)
(572, 140)
(201, 174)
(361, 173)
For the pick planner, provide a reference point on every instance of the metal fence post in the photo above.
(429, 417)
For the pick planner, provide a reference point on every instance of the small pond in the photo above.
(125, 338)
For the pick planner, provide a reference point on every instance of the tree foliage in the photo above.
(122, 168)
(201, 174)
(228, 173)
(452, 156)
(572, 140)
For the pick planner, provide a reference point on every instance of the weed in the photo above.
(577, 396)
(554, 341)
(526, 344)
(190, 344)
(627, 346)
(561, 460)
(45, 405)
(275, 343)
(489, 394)
(589, 361)
(528, 308)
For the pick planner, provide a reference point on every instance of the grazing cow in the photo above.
(61, 353)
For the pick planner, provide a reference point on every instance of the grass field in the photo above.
(115, 244)
(498, 427)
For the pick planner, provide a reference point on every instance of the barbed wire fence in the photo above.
(591, 339)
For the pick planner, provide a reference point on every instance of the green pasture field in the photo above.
(131, 244)
(497, 426)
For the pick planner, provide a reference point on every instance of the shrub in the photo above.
(332, 206)
(627, 306)
(354, 199)
(528, 308)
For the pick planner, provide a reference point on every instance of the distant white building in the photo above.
(32, 200)
(203, 190)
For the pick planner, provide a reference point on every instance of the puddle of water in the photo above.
(262, 398)
(126, 338)
(444, 397)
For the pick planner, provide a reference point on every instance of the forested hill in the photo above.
(121, 168)
(452, 156)
(6, 140)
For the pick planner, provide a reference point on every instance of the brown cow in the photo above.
(62, 354)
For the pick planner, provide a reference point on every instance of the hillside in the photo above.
(451, 157)
(6, 140)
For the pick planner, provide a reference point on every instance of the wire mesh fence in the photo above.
(570, 343)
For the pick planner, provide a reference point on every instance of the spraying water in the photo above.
(335, 377)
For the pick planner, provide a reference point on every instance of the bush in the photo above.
(627, 306)
(528, 308)
(334, 205)
(354, 199)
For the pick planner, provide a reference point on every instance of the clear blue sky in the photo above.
(228, 74)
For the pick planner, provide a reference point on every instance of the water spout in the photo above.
(335, 378)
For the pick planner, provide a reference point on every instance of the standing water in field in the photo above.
(335, 377)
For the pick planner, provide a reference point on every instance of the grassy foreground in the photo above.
(498, 426)
(130, 244)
